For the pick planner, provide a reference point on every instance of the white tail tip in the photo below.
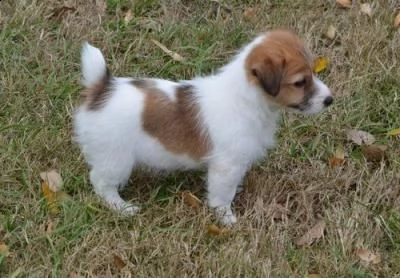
(94, 67)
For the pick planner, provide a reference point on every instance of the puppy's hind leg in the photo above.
(106, 178)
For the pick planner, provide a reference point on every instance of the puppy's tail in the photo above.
(94, 68)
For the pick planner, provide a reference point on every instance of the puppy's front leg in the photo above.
(223, 180)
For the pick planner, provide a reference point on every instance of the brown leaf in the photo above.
(359, 137)
(4, 250)
(331, 32)
(128, 17)
(214, 230)
(119, 262)
(60, 11)
(74, 275)
(368, 257)
(394, 132)
(313, 234)
(313, 276)
(344, 3)
(374, 153)
(51, 198)
(191, 199)
(53, 179)
(338, 158)
(249, 13)
(278, 212)
(175, 56)
(397, 21)
(365, 8)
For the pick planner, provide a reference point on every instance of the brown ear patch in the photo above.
(95, 96)
(175, 123)
(269, 74)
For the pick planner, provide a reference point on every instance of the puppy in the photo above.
(223, 122)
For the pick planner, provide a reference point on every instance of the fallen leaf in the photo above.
(397, 21)
(191, 199)
(344, 3)
(278, 212)
(128, 17)
(365, 8)
(394, 132)
(74, 275)
(175, 56)
(338, 158)
(51, 198)
(360, 137)
(249, 13)
(4, 250)
(214, 230)
(320, 64)
(119, 262)
(53, 180)
(374, 153)
(314, 276)
(60, 11)
(331, 32)
(367, 256)
(313, 234)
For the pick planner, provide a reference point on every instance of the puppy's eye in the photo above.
(301, 83)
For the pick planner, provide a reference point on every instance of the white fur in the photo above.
(239, 120)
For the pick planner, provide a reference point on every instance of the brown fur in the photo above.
(277, 63)
(95, 96)
(174, 123)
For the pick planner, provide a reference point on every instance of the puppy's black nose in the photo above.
(328, 101)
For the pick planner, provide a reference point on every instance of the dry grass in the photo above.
(360, 202)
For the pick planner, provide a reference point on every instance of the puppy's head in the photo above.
(282, 67)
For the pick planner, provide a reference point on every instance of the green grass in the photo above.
(39, 88)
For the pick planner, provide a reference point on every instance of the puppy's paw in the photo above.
(225, 215)
(129, 210)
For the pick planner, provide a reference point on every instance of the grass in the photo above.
(359, 202)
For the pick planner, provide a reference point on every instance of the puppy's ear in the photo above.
(269, 73)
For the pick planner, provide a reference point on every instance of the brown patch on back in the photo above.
(95, 96)
(175, 123)
(277, 63)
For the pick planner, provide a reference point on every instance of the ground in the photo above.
(284, 196)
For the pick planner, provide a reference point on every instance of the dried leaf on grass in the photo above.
(128, 17)
(51, 198)
(51, 189)
(191, 199)
(320, 64)
(338, 158)
(214, 230)
(4, 250)
(53, 180)
(249, 13)
(368, 257)
(394, 132)
(360, 137)
(397, 21)
(313, 276)
(278, 212)
(313, 234)
(344, 3)
(60, 11)
(366, 8)
(374, 153)
(175, 56)
(74, 275)
(331, 32)
(119, 262)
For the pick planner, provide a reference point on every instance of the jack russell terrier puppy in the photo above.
(223, 122)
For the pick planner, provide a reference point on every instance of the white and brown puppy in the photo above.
(224, 122)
